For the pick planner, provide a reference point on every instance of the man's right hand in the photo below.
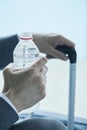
(25, 87)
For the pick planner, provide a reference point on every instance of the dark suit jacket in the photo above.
(7, 114)
(7, 45)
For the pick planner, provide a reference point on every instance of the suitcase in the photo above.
(71, 104)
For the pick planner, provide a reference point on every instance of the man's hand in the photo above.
(48, 42)
(25, 87)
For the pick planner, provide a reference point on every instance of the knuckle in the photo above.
(38, 79)
(31, 71)
(46, 68)
(6, 72)
(59, 37)
(43, 90)
(45, 59)
(43, 95)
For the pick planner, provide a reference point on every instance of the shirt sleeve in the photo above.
(8, 113)
(7, 45)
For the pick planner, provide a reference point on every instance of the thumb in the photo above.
(40, 63)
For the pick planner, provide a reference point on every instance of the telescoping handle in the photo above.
(68, 50)
(72, 57)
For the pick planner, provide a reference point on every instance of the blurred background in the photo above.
(65, 17)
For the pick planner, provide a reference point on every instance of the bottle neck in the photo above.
(25, 38)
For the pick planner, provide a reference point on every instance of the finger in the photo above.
(64, 41)
(44, 70)
(11, 70)
(57, 54)
(44, 80)
(36, 66)
(9, 66)
(40, 63)
(49, 57)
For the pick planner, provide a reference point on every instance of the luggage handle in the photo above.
(72, 57)
(68, 50)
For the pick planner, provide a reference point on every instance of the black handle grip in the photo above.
(68, 50)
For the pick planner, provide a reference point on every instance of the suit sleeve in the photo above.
(7, 45)
(8, 114)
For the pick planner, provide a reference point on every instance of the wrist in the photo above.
(7, 99)
(12, 97)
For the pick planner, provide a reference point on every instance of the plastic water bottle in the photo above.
(24, 54)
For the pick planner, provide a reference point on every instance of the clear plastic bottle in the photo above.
(26, 52)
